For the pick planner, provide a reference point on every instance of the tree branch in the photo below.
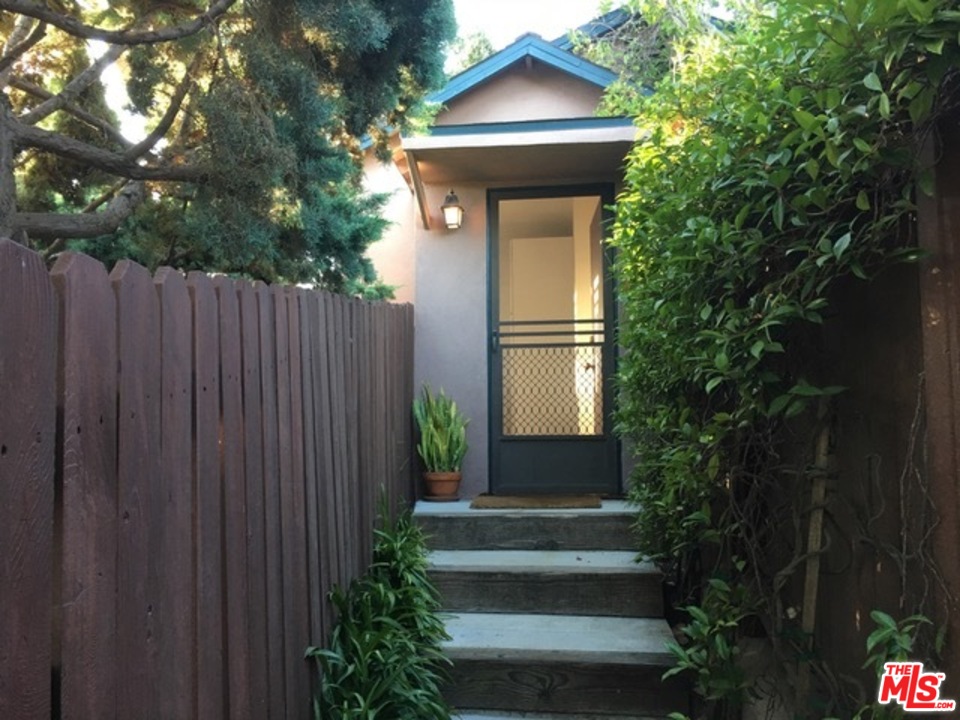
(72, 26)
(49, 226)
(94, 121)
(110, 162)
(76, 86)
(173, 109)
(12, 54)
(8, 184)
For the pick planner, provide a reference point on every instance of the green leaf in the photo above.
(742, 216)
(721, 361)
(713, 382)
(779, 404)
(863, 200)
(882, 619)
(713, 466)
(806, 120)
(805, 389)
(862, 145)
(884, 106)
(795, 408)
(778, 213)
(842, 244)
(925, 182)
(872, 82)
(921, 105)
(833, 155)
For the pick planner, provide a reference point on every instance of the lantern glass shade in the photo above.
(452, 211)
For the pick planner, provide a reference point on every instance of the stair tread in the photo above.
(558, 638)
(460, 508)
(539, 561)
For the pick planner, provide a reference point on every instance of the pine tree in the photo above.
(256, 110)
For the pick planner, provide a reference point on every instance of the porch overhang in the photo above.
(551, 152)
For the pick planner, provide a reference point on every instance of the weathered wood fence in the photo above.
(187, 466)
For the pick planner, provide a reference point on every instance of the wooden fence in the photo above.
(187, 466)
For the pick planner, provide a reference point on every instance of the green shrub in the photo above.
(384, 661)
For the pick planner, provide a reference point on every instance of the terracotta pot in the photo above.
(441, 486)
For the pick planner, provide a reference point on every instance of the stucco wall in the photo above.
(393, 254)
(537, 92)
(444, 274)
(450, 311)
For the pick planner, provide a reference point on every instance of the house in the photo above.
(514, 308)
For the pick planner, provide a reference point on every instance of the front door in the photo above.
(551, 342)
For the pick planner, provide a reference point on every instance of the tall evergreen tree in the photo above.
(255, 108)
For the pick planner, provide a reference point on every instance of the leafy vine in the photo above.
(779, 159)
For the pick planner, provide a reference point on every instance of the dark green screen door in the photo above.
(551, 349)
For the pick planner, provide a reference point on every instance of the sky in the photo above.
(504, 21)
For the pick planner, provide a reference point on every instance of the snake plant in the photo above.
(443, 431)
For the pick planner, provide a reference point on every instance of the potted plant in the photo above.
(443, 443)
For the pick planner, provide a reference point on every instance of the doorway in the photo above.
(551, 315)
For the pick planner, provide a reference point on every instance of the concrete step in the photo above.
(455, 526)
(560, 663)
(572, 582)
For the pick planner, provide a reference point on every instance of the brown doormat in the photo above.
(534, 502)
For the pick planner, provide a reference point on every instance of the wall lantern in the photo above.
(452, 211)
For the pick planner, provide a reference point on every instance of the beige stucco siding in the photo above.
(522, 93)
(393, 254)
(450, 314)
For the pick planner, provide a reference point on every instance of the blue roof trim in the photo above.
(587, 123)
(529, 45)
(596, 28)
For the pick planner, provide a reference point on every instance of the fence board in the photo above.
(284, 487)
(354, 498)
(366, 426)
(236, 647)
(138, 475)
(409, 333)
(293, 494)
(28, 376)
(337, 341)
(372, 427)
(308, 331)
(207, 553)
(381, 399)
(326, 495)
(171, 517)
(269, 343)
(88, 396)
(221, 449)
(254, 475)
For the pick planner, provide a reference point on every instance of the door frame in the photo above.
(605, 191)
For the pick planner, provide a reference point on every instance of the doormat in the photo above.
(535, 502)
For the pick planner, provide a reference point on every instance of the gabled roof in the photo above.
(530, 45)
